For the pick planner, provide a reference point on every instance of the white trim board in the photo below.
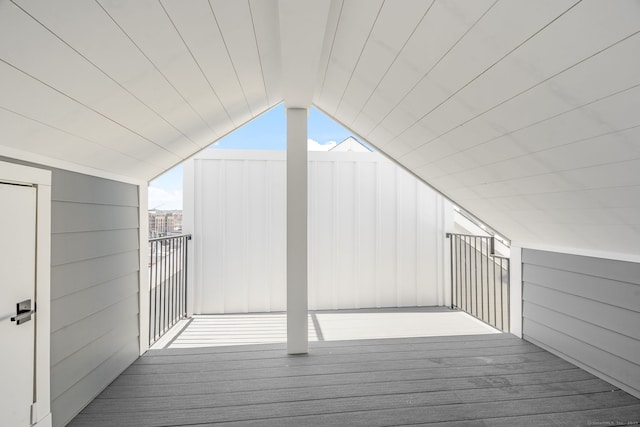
(313, 156)
(41, 179)
(143, 277)
(69, 166)
(618, 256)
(515, 285)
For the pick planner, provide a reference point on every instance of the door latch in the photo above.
(23, 312)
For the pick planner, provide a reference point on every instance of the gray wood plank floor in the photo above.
(473, 380)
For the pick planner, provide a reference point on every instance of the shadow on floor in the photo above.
(334, 325)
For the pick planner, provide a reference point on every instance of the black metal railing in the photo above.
(167, 283)
(479, 279)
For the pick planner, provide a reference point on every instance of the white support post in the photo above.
(189, 179)
(297, 304)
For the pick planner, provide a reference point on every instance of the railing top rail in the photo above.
(476, 221)
(491, 240)
(468, 235)
(155, 239)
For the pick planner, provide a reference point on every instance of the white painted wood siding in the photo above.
(586, 310)
(376, 234)
(94, 287)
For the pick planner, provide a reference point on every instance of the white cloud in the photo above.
(159, 198)
(317, 146)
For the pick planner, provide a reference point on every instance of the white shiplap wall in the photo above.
(94, 287)
(587, 310)
(376, 233)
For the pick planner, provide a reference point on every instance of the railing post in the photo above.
(186, 257)
(448, 236)
(508, 276)
(150, 288)
(459, 273)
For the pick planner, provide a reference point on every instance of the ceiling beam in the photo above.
(302, 31)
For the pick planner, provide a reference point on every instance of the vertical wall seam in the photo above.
(418, 237)
(398, 238)
(376, 255)
(312, 234)
(222, 234)
(335, 234)
(268, 282)
(246, 277)
(356, 234)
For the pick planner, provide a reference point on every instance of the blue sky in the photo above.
(266, 132)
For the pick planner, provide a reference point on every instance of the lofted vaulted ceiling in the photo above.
(526, 113)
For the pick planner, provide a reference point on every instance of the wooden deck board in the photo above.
(326, 365)
(415, 392)
(353, 372)
(372, 410)
(473, 380)
(542, 374)
(426, 349)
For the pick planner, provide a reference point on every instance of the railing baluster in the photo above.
(508, 303)
(172, 280)
(182, 275)
(495, 293)
(477, 276)
(501, 294)
(163, 288)
(156, 296)
(167, 288)
(488, 282)
(451, 264)
(472, 269)
(481, 278)
(459, 274)
(150, 290)
(463, 265)
(176, 282)
(469, 265)
(470, 262)
(186, 270)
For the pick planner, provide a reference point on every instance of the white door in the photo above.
(17, 284)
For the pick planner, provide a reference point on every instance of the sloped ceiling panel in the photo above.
(525, 113)
(133, 88)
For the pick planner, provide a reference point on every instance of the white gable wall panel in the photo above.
(376, 234)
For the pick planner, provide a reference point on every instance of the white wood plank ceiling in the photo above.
(526, 113)
(133, 87)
